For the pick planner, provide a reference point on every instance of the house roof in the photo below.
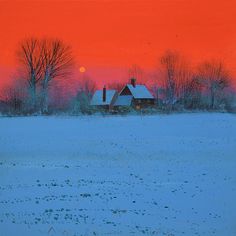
(123, 100)
(97, 97)
(139, 91)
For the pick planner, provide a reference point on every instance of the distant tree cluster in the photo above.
(205, 87)
(81, 103)
(45, 63)
(41, 62)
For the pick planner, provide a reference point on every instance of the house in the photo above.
(141, 97)
(131, 95)
(104, 99)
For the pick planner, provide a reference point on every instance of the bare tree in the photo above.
(57, 63)
(170, 63)
(177, 80)
(87, 86)
(136, 72)
(214, 77)
(30, 57)
(42, 61)
(117, 85)
(156, 85)
(185, 83)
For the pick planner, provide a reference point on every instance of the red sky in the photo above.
(108, 36)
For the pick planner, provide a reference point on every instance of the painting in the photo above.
(117, 117)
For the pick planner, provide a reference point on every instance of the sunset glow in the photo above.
(109, 36)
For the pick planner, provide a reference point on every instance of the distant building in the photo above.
(141, 97)
(132, 95)
(104, 99)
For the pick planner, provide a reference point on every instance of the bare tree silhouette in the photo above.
(136, 72)
(214, 76)
(30, 56)
(57, 63)
(170, 63)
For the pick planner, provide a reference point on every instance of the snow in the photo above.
(140, 91)
(118, 175)
(123, 100)
(97, 97)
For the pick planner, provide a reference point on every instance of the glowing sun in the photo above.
(82, 69)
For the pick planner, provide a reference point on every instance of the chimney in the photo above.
(104, 94)
(133, 82)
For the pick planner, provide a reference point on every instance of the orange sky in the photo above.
(108, 36)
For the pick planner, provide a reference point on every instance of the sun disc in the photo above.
(82, 69)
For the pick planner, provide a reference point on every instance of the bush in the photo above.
(81, 104)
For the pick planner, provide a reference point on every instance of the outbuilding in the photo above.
(104, 99)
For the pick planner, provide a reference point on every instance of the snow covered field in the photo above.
(152, 175)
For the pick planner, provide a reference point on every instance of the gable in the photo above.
(125, 91)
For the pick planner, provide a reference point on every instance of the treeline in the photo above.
(41, 61)
(43, 84)
(207, 86)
